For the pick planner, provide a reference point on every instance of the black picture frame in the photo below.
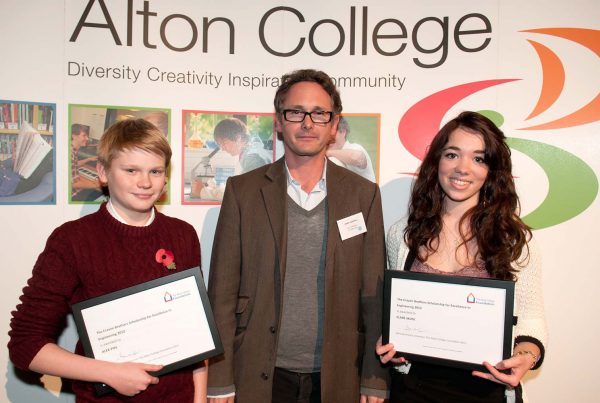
(82, 328)
(509, 320)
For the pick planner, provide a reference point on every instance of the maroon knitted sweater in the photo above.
(89, 257)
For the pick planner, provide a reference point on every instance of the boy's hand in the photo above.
(131, 378)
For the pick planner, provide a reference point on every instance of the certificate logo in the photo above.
(168, 297)
(472, 299)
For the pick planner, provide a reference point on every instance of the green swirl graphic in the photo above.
(573, 185)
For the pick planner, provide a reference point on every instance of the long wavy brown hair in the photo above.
(494, 222)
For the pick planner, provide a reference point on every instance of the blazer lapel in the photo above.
(336, 194)
(274, 196)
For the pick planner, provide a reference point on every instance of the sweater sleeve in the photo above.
(396, 248)
(529, 301)
(40, 317)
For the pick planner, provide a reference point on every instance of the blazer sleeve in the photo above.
(374, 375)
(223, 287)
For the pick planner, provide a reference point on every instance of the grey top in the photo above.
(301, 329)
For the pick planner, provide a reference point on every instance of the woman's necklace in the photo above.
(455, 248)
(451, 237)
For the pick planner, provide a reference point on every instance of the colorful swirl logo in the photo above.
(572, 184)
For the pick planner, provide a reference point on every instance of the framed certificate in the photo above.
(167, 321)
(446, 320)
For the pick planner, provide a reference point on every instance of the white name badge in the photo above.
(351, 226)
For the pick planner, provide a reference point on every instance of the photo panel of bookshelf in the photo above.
(217, 145)
(27, 154)
(87, 123)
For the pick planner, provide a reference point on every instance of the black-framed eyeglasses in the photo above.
(297, 115)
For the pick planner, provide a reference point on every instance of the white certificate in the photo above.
(456, 321)
(167, 321)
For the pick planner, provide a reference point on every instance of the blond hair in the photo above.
(129, 134)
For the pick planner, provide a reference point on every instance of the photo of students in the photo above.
(351, 155)
(231, 135)
(87, 123)
(84, 179)
(220, 145)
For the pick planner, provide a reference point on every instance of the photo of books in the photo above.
(27, 163)
(87, 123)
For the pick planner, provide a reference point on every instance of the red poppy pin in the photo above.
(166, 257)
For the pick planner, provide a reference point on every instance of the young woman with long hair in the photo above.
(463, 220)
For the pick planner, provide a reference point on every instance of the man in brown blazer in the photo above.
(297, 266)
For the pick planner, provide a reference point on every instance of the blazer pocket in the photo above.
(361, 347)
(241, 314)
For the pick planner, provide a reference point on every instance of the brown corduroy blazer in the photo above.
(245, 286)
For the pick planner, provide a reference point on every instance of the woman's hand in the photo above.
(518, 366)
(386, 353)
(130, 378)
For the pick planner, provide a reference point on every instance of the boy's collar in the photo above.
(113, 212)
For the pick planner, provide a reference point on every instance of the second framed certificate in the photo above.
(447, 320)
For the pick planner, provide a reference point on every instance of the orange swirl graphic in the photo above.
(589, 38)
(553, 76)
(551, 68)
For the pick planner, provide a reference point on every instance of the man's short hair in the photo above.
(160, 119)
(230, 128)
(78, 128)
(343, 125)
(130, 134)
(315, 76)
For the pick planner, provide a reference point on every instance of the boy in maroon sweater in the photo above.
(111, 249)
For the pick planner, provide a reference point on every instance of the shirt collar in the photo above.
(321, 185)
(113, 212)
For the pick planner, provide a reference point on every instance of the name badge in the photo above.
(351, 226)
